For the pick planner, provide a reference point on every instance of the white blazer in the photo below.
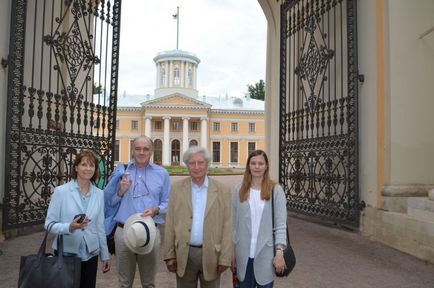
(242, 234)
(64, 205)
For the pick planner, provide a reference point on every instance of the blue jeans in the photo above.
(250, 280)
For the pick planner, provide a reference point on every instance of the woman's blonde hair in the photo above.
(267, 184)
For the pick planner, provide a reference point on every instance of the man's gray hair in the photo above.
(194, 150)
(149, 139)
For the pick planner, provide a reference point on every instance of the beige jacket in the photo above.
(217, 234)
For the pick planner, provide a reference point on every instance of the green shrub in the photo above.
(182, 170)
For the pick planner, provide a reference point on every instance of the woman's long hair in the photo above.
(267, 184)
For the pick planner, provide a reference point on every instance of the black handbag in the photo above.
(50, 271)
(288, 253)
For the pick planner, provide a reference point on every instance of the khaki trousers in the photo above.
(194, 272)
(126, 262)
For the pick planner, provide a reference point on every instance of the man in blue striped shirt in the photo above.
(143, 188)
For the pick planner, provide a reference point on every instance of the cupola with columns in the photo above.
(176, 73)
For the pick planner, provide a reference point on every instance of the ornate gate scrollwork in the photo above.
(62, 91)
(318, 109)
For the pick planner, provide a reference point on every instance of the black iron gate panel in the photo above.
(62, 91)
(318, 109)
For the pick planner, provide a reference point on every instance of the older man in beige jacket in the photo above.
(197, 240)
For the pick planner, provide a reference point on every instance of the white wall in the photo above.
(367, 101)
(271, 11)
(411, 66)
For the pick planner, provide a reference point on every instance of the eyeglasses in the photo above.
(142, 149)
(197, 163)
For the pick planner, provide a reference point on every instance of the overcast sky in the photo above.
(228, 36)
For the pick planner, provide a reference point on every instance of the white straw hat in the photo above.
(140, 233)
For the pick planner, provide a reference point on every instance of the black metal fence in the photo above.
(319, 109)
(62, 91)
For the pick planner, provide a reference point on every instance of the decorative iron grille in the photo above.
(62, 91)
(319, 109)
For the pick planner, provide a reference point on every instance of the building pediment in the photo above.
(175, 101)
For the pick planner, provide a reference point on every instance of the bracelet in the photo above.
(279, 249)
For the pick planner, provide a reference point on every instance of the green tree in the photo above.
(96, 89)
(257, 91)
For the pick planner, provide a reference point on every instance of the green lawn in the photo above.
(182, 170)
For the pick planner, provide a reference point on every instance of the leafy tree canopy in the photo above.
(96, 89)
(257, 91)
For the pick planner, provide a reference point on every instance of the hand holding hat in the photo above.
(140, 233)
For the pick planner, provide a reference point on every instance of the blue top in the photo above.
(66, 202)
(150, 187)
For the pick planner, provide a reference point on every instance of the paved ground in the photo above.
(326, 257)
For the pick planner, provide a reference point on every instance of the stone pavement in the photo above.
(326, 257)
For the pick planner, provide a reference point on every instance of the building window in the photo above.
(251, 146)
(158, 125)
(193, 126)
(176, 75)
(134, 124)
(117, 124)
(158, 152)
(192, 143)
(252, 127)
(234, 152)
(175, 125)
(216, 126)
(190, 77)
(162, 76)
(116, 151)
(234, 126)
(176, 152)
(131, 146)
(216, 152)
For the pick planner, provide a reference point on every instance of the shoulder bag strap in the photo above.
(272, 219)
(119, 204)
(41, 251)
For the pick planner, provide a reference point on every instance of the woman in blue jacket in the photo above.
(84, 238)
(253, 257)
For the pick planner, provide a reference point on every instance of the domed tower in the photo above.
(176, 73)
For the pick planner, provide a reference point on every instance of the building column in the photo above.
(203, 132)
(185, 133)
(170, 72)
(186, 74)
(166, 142)
(166, 75)
(158, 75)
(194, 72)
(148, 126)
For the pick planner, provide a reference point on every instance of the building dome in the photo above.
(176, 73)
(238, 102)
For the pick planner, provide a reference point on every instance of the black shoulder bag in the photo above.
(50, 271)
(288, 253)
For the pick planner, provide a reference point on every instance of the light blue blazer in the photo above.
(242, 234)
(64, 205)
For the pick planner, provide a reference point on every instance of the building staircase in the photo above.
(405, 220)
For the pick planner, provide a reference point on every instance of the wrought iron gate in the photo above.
(62, 91)
(319, 109)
